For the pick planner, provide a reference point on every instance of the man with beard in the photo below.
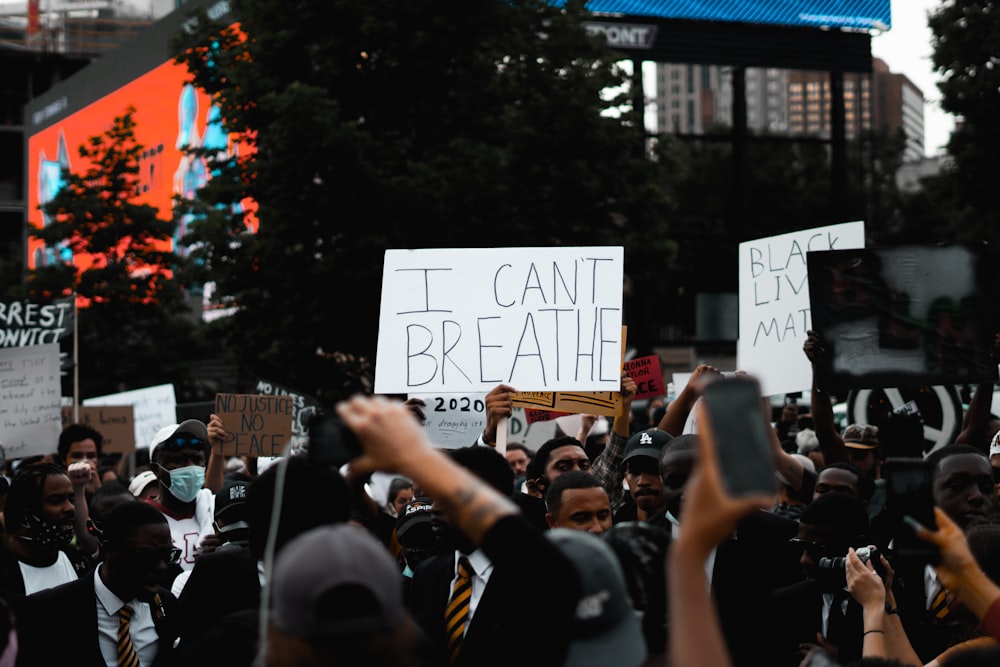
(642, 475)
(121, 614)
(38, 522)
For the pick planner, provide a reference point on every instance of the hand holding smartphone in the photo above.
(742, 435)
(910, 492)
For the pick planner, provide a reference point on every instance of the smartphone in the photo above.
(330, 441)
(909, 491)
(742, 435)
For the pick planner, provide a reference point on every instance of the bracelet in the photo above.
(868, 632)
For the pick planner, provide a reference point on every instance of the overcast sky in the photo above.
(907, 50)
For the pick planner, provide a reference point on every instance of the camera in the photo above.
(331, 442)
(865, 554)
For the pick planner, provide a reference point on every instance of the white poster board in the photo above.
(453, 420)
(466, 320)
(30, 411)
(154, 408)
(774, 303)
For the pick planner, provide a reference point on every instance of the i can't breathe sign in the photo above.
(465, 320)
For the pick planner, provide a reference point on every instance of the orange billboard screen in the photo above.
(170, 114)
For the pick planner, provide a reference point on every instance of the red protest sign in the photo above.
(533, 415)
(648, 376)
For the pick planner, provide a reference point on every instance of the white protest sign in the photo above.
(154, 408)
(453, 420)
(466, 320)
(774, 303)
(532, 435)
(30, 411)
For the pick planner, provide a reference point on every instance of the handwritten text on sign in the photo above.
(113, 422)
(774, 303)
(152, 409)
(648, 376)
(453, 420)
(30, 416)
(465, 320)
(255, 425)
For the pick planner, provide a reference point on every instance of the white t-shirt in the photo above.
(40, 578)
(184, 533)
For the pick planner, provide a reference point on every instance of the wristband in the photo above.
(868, 632)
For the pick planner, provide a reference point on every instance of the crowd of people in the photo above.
(616, 545)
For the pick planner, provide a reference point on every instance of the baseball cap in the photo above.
(647, 443)
(995, 444)
(197, 430)
(141, 481)
(336, 580)
(416, 512)
(605, 628)
(231, 501)
(806, 441)
(861, 436)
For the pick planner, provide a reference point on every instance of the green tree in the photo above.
(381, 124)
(966, 47)
(135, 328)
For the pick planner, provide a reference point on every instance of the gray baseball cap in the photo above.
(605, 628)
(336, 580)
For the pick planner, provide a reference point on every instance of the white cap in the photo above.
(995, 444)
(192, 427)
(141, 481)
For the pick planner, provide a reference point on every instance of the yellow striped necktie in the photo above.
(456, 616)
(126, 652)
(941, 605)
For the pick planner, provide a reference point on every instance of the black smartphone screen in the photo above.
(742, 435)
(909, 491)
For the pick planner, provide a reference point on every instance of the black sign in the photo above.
(903, 316)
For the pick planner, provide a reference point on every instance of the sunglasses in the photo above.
(149, 557)
(182, 441)
(814, 549)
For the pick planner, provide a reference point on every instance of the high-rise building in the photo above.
(692, 99)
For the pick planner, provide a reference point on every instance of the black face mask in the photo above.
(47, 534)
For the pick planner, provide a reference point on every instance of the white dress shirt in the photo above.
(144, 635)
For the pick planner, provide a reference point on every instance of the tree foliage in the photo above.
(382, 125)
(135, 328)
(966, 47)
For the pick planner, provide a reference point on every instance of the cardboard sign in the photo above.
(152, 409)
(465, 320)
(775, 310)
(255, 425)
(114, 422)
(904, 316)
(453, 420)
(30, 418)
(648, 376)
(607, 403)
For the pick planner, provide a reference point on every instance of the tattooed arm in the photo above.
(393, 441)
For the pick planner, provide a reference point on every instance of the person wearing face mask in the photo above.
(178, 455)
(38, 546)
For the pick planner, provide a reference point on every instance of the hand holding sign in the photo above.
(499, 407)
